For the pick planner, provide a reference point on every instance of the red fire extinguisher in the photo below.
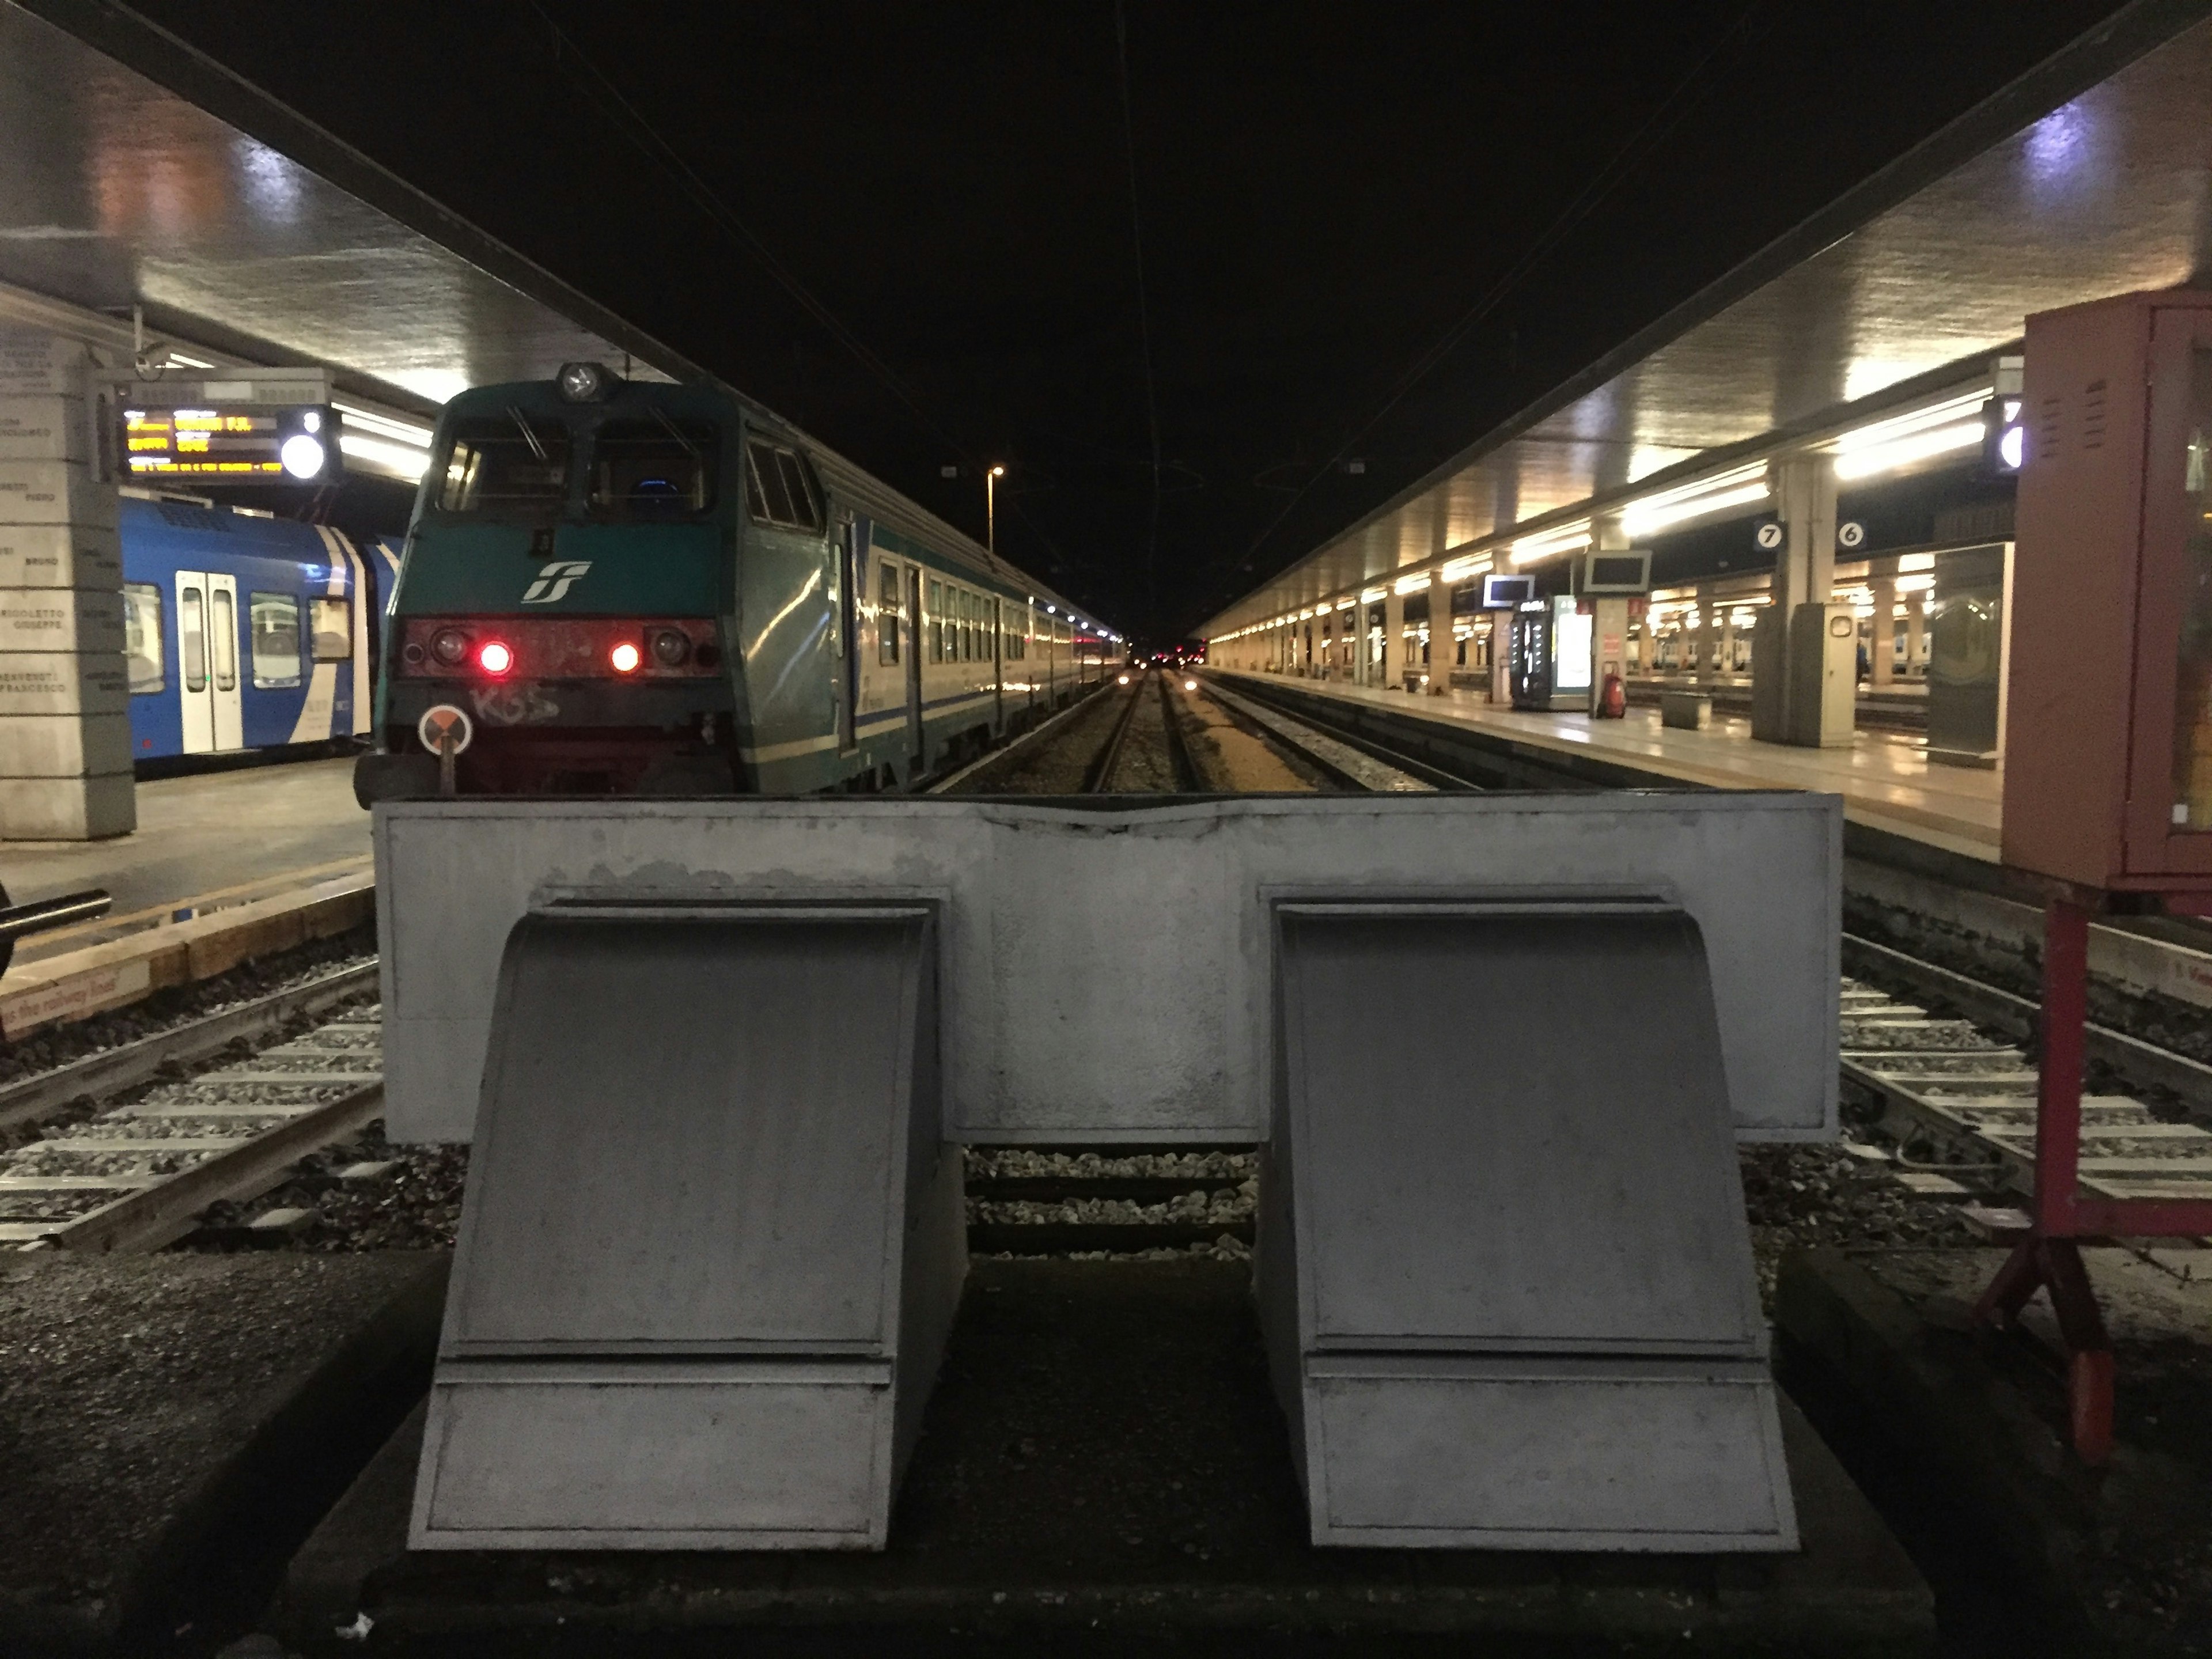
(1613, 699)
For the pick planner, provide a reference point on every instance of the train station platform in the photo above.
(224, 867)
(1886, 780)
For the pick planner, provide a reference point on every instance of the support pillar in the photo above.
(1443, 646)
(1362, 646)
(1393, 640)
(1706, 648)
(64, 682)
(1883, 648)
(1501, 656)
(1804, 490)
(1916, 630)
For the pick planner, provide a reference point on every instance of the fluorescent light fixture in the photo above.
(401, 460)
(1904, 452)
(384, 426)
(1373, 596)
(1738, 487)
(1346, 605)
(1564, 539)
(1413, 584)
(1920, 434)
(178, 360)
(1460, 569)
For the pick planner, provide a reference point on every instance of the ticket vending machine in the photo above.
(1551, 665)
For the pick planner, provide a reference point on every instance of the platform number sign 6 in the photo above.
(1850, 533)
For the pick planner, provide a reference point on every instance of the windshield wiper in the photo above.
(536, 447)
(673, 430)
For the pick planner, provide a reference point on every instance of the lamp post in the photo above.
(991, 506)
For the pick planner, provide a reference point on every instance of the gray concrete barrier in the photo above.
(712, 1238)
(1108, 973)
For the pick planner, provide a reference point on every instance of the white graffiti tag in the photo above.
(555, 581)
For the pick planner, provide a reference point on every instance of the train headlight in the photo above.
(495, 657)
(584, 383)
(670, 646)
(450, 646)
(625, 657)
(303, 456)
(1190, 685)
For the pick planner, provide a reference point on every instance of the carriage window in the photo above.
(223, 637)
(653, 469)
(142, 636)
(332, 623)
(510, 463)
(274, 618)
(937, 622)
(192, 637)
(780, 487)
(964, 625)
(887, 615)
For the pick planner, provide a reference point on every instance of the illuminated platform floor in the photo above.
(1884, 777)
(209, 838)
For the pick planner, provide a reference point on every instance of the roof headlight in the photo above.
(584, 383)
(670, 647)
(450, 646)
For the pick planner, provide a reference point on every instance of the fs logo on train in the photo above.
(555, 583)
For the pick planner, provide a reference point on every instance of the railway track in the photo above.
(137, 1176)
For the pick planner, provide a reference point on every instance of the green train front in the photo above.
(615, 588)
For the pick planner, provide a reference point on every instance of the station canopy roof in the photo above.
(1873, 330)
(118, 194)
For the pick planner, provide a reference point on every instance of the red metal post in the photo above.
(2058, 1091)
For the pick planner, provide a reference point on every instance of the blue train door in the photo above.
(212, 705)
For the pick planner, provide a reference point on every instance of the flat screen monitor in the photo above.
(1506, 593)
(1617, 573)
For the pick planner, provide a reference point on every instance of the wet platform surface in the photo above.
(1103, 1468)
(1885, 778)
(218, 836)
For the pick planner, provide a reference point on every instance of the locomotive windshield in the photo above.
(653, 469)
(510, 463)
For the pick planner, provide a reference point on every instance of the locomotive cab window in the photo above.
(274, 619)
(510, 463)
(331, 627)
(142, 637)
(653, 469)
(780, 487)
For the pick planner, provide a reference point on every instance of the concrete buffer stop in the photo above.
(717, 1058)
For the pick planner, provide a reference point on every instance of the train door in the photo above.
(852, 567)
(914, 740)
(195, 684)
(211, 705)
(228, 704)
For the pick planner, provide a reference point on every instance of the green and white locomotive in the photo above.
(618, 587)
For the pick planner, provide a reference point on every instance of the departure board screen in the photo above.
(246, 444)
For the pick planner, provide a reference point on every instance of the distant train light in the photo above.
(495, 657)
(625, 657)
(1125, 679)
(1190, 685)
(450, 646)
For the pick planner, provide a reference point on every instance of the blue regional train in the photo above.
(245, 632)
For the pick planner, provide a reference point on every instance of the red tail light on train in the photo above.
(559, 648)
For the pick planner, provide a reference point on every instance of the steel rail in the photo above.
(113, 1069)
(1099, 775)
(1188, 778)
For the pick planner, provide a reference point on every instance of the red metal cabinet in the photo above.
(2108, 751)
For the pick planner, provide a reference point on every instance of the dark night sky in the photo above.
(1325, 192)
